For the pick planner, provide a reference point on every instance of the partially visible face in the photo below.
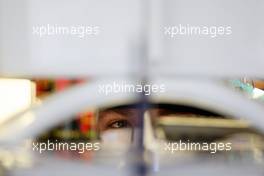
(114, 119)
(124, 118)
(117, 124)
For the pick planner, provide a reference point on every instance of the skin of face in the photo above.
(121, 118)
(117, 119)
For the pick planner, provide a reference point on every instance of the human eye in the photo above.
(119, 124)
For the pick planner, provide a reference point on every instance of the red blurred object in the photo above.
(86, 121)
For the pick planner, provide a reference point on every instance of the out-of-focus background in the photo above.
(115, 87)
